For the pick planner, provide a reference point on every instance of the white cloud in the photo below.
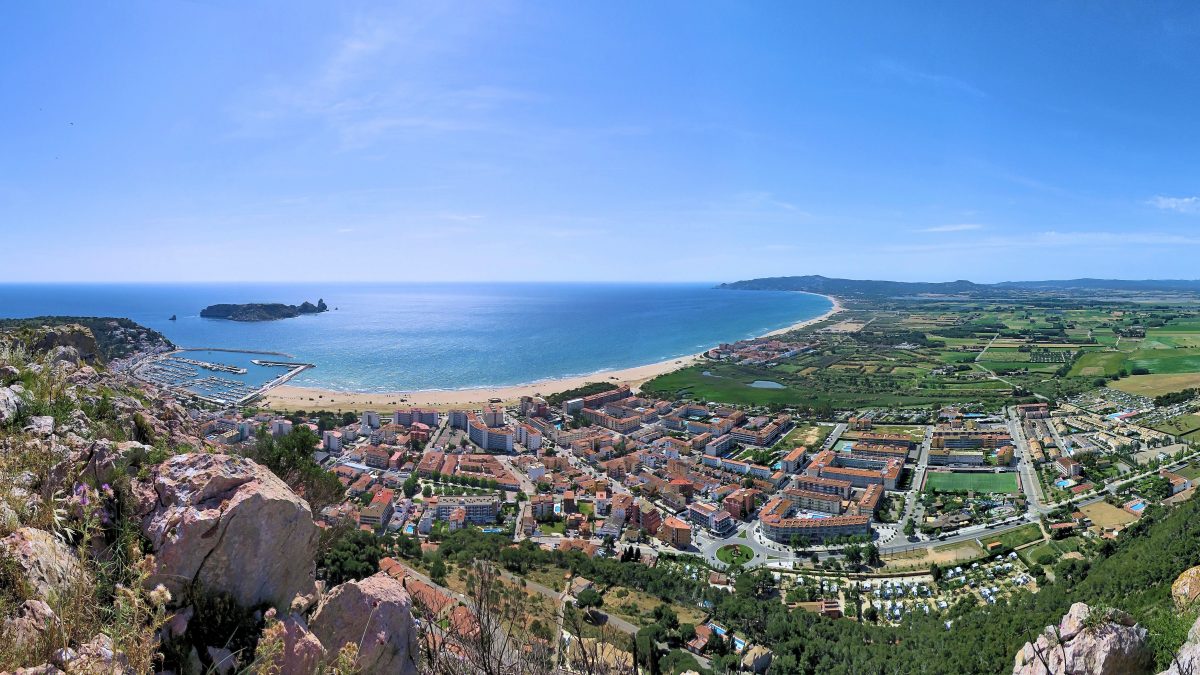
(914, 76)
(384, 78)
(959, 227)
(1176, 204)
(1052, 239)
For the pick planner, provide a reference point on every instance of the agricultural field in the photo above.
(962, 481)
(961, 352)
(1156, 385)
(1098, 364)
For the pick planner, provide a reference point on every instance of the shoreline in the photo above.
(292, 397)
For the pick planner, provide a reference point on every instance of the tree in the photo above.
(666, 617)
(871, 555)
(910, 528)
(349, 556)
(290, 457)
(588, 599)
(427, 491)
(935, 572)
(854, 554)
(411, 486)
(437, 570)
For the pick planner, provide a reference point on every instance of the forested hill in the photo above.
(873, 288)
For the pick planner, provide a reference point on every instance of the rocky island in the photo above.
(262, 311)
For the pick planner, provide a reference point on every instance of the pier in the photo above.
(216, 367)
(182, 376)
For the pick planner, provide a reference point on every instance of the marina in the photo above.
(231, 378)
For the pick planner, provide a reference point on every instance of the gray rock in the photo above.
(47, 564)
(223, 660)
(42, 425)
(11, 405)
(1086, 645)
(29, 624)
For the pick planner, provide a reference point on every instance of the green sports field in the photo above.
(956, 481)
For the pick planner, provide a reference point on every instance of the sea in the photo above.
(413, 337)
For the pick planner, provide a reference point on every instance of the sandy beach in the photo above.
(289, 397)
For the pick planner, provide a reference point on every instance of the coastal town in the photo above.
(865, 514)
(881, 470)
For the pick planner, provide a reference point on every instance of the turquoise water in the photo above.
(766, 384)
(405, 337)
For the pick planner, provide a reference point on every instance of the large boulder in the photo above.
(10, 405)
(376, 614)
(1186, 588)
(47, 565)
(300, 651)
(230, 525)
(28, 626)
(1086, 644)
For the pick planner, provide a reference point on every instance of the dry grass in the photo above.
(637, 607)
(1104, 515)
(1156, 385)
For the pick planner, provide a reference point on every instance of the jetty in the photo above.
(216, 367)
(182, 376)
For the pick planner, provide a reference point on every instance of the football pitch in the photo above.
(959, 481)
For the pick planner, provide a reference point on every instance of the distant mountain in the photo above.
(869, 288)
(261, 311)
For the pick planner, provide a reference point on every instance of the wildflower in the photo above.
(160, 596)
(107, 490)
(270, 614)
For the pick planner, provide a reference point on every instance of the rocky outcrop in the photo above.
(376, 614)
(230, 525)
(46, 564)
(1086, 644)
(70, 341)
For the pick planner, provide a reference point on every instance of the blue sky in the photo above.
(214, 140)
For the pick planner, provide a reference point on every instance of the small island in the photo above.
(262, 311)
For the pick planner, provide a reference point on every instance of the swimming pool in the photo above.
(1064, 483)
(1138, 507)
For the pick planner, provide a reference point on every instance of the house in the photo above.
(756, 659)
(698, 644)
(1178, 483)
(579, 585)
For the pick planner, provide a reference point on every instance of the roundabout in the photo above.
(735, 554)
